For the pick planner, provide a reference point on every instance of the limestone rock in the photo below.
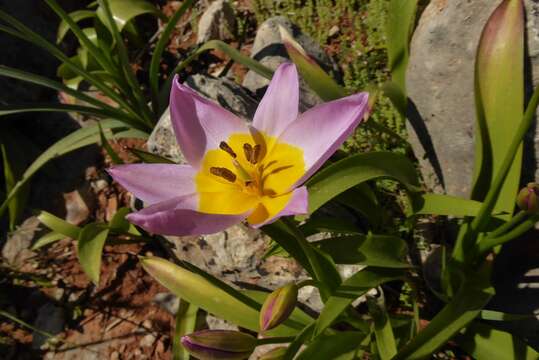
(217, 22)
(440, 82)
(269, 50)
(16, 250)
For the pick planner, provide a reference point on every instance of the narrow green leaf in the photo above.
(153, 72)
(124, 11)
(150, 158)
(317, 79)
(499, 89)
(362, 199)
(76, 140)
(90, 249)
(51, 107)
(47, 239)
(198, 290)
(372, 250)
(110, 151)
(468, 302)
(484, 342)
(76, 16)
(349, 172)
(332, 346)
(186, 321)
(439, 204)
(15, 206)
(58, 225)
(352, 288)
(492, 315)
(119, 223)
(398, 30)
(383, 332)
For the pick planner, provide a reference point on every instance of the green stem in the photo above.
(488, 243)
(515, 220)
(481, 220)
(275, 340)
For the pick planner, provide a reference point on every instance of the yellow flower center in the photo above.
(249, 171)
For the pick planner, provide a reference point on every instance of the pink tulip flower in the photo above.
(239, 171)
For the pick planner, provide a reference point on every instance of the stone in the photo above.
(217, 22)
(50, 319)
(16, 250)
(269, 50)
(78, 204)
(440, 83)
(167, 301)
(224, 91)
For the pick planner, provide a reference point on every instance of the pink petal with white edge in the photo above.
(298, 205)
(199, 124)
(178, 217)
(279, 106)
(153, 183)
(320, 131)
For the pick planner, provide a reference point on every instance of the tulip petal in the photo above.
(178, 217)
(153, 183)
(199, 124)
(320, 131)
(279, 106)
(298, 204)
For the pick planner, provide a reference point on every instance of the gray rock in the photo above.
(50, 319)
(217, 22)
(167, 301)
(16, 250)
(79, 203)
(221, 90)
(269, 50)
(440, 83)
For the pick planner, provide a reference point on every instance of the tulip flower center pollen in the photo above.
(249, 172)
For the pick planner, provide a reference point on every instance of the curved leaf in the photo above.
(125, 10)
(58, 225)
(47, 239)
(352, 288)
(439, 204)
(347, 173)
(76, 16)
(332, 346)
(90, 249)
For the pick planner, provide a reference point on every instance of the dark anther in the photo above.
(255, 154)
(226, 148)
(248, 151)
(224, 173)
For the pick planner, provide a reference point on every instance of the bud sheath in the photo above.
(278, 306)
(219, 344)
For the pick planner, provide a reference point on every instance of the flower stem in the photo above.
(515, 220)
(275, 340)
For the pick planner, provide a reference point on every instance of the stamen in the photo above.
(223, 173)
(226, 148)
(248, 151)
(255, 155)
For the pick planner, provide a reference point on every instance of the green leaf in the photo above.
(398, 30)
(149, 158)
(499, 90)
(52, 107)
(198, 290)
(76, 16)
(383, 332)
(492, 315)
(186, 321)
(352, 288)
(47, 239)
(90, 249)
(373, 250)
(110, 151)
(439, 204)
(58, 225)
(328, 224)
(76, 140)
(119, 223)
(125, 10)
(153, 71)
(332, 346)
(16, 205)
(484, 342)
(349, 172)
(468, 302)
(362, 199)
(317, 79)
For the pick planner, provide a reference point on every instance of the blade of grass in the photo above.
(158, 52)
(104, 142)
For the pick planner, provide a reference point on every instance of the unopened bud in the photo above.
(527, 198)
(275, 354)
(219, 344)
(278, 306)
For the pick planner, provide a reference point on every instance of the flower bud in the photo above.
(527, 198)
(219, 344)
(275, 354)
(278, 306)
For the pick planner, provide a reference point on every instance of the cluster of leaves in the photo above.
(487, 218)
